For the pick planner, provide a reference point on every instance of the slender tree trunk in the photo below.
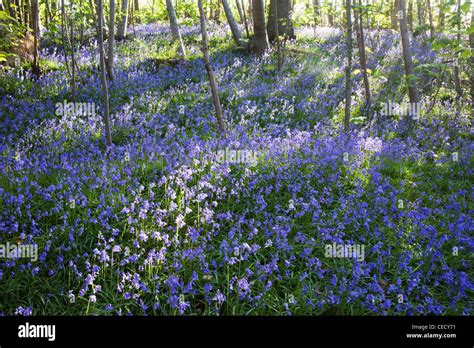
(410, 15)
(26, 17)
(347, 113)
(73, 58)
(361, 45)
(277, 34)
(394, 15)
(81, 28)
(471, 59)
(331, 14)
(175, 33)
(122, 29)
(54, 10)
(36, 34)
(419, 10)
(136, 8)
(441, 16)
(239, 10)
(105, 92)
(457, 80)
(247, 32)
(110, 42)
(210, 73)
(409, 72)
(47, 12)
(261, 40)
(250, 10)
(63, 36)
(317, 12)
(10, 9)
(430, 17)
(217, 13)
(234, 28)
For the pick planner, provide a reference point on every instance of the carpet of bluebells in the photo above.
(159, 226)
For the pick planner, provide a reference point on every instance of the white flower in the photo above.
(180, 221)
(291, 205)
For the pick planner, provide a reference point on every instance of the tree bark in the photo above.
(347, 113)
(441, 17)
(217, 13)
(361, 45)
(260, 34)
(430, 17)
(210, 73)
(394, 15)
(122, 29)
(73, 58)
(317, 12)
(36, 34)
(234, 28)
(410, 15)
(331, 13)
(175, 33)
(285, 27)
(244, 13)
(136, 8)
(471, 59)
(110, 42)
(419, 10)
(105, 92)
(409, 72)
(457, 80)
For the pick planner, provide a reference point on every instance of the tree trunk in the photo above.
(394, 15)
(441, 17)
(217, 13)
(260, 34)
(73, 58)
(410, 15)
(110, 42)
(457, 81)
(419, 10)
(348, 92)
(175, 33)
(471, 59)
(36, 34)
(10, 9)
(239, 10)
(250, 10)
(234, 28)
(47, 12)
(105, 92)
(122, 29)
(361, 44)
(244, 13)
(430, 17)
(409, 72)
(63, 35)
(331, 14)
(274, 11)
(285, 27)
(317, 12)
(136, 8)
(210, 73)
